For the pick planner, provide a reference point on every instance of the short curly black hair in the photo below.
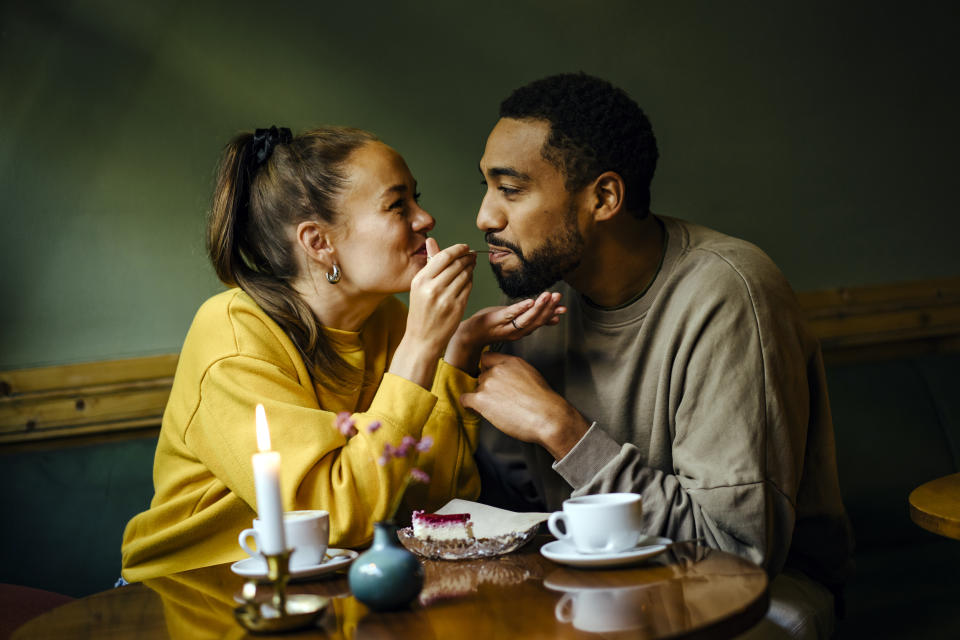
(594, 127)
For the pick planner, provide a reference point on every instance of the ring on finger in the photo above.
(515, 325)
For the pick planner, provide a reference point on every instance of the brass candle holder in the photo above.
(281, 612)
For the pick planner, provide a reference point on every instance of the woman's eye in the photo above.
(416, 197)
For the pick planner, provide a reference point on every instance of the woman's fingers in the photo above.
(544, 309)
(441, 259)
(451, 276)
(528, 317)
(432, 248)
(445, 265)
(462, 280)
(509, 314)
(445, 293)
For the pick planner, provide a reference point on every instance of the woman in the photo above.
(315, 233)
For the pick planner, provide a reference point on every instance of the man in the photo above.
(682, 369)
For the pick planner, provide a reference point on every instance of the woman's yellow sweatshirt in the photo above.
(234, 357)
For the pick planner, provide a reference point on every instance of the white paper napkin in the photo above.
(489, 522)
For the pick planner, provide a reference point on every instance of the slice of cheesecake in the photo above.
(453, 526)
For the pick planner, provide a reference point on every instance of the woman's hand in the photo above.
(500, 324)
(438, 297)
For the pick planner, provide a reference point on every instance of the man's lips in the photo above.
(498, 253)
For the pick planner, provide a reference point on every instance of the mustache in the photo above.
(490, 238)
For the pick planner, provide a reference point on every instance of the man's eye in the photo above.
(508, 191)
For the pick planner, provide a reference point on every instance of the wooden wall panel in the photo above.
(114, 396)
(896, 320)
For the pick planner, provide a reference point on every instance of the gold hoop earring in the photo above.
(333, 277)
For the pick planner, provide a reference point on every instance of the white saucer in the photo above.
(256, 567)
(564, 553)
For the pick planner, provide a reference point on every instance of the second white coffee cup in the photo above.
(307, 533)
(601, 523)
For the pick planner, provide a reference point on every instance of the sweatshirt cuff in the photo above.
(403, 404)
(450, 382)
(594, 450)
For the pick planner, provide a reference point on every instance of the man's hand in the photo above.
(515, 398)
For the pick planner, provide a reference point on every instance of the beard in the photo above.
(544, 266)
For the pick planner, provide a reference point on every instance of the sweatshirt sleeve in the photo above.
(321, 467)
(740, 409)
(453, 429)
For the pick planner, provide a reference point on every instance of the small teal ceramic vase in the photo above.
(386, 577)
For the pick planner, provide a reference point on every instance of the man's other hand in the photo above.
(515, 398)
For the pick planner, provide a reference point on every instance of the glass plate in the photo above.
(466, 550)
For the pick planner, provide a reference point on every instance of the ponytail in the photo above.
(266, 182)
(231, 198)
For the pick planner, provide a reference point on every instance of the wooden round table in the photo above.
(687, 592)
(935, 506)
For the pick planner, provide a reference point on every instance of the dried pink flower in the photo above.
(405, 446)
(373, 426)
(345, 424)
(400, 451)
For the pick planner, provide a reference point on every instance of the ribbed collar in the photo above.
(676, 240)
(344, 341)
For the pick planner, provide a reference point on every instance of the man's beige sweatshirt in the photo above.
(709, 399)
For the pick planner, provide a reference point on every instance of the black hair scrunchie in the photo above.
(264, 141)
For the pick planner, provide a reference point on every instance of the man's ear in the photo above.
(314, 240)
(609, 194)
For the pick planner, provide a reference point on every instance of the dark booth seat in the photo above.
(897, 425)
(66, 510)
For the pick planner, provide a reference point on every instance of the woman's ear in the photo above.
(609, 194)
(314, 240)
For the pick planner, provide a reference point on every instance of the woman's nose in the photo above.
(422, 221)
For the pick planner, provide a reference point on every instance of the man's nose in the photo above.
(489, 218)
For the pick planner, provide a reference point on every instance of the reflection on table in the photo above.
(689, 590)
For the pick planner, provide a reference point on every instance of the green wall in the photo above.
(826, 134)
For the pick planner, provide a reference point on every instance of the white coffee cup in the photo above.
(307, 533)
(601, 523)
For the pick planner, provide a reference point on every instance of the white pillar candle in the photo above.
(266, 477)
